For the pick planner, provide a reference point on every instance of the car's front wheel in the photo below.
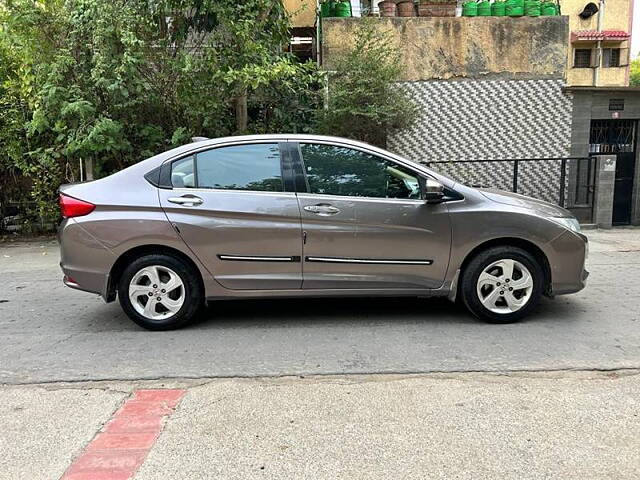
(160, 292)
(502, 284)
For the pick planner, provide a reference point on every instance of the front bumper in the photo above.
(567, 256)
(566, 289)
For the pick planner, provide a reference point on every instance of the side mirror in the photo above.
(433, 191)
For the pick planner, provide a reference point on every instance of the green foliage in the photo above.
(288, 104)
(12, 135)
(364, 100)
(634, 78)
(117, 81)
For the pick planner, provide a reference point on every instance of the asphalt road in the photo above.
(53, 333)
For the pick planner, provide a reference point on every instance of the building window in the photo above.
(583, 58)
(611, 57)
(615, 57)
(616, 104)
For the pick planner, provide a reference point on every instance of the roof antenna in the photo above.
(199, 139)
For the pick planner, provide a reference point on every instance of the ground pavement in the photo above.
(345, 389)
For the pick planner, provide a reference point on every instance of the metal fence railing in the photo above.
(20, 218)
(565, 181)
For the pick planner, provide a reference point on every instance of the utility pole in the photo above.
(596, 70)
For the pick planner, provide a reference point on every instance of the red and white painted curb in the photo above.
(119, 449)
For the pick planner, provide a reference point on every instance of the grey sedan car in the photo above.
(313, 216)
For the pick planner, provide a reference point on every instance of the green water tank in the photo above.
(328, 8)
(342, 9)
(549, 9)
(498, 8)
(514, 8)
(470, 9)
(325, 9)
(532, 8)
(484, 9)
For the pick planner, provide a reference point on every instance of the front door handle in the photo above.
(322, 209)
(186, 200)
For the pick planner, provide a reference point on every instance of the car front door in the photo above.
(231, 207)
(365, 224)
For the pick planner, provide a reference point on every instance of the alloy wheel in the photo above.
(156, 292)
(505, 286)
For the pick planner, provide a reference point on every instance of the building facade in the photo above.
(488, 88)
(600, 41)
(506, 89)
(606, 112)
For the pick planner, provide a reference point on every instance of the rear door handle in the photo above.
(322, 209)
(186, 200)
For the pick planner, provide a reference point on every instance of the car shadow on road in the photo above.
(363, 311)
(284, 313)
(331, 311)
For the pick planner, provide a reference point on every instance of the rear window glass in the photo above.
(241, 167)
(182, 175)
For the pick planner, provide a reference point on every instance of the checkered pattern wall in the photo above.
(491, 119)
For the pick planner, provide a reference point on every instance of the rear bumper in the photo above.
(84, 261)
(84, 281)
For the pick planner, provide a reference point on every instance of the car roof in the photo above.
(273, 137)
(286, 136)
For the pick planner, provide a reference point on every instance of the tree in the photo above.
(116, 81)
(365, 101)
(634, 77)
(12, 115)
(249, 36)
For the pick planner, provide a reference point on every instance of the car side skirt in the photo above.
(311, 293)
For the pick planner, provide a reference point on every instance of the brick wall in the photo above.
(491, 119)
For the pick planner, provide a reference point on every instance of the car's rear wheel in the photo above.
(160, 292)
(502, 284)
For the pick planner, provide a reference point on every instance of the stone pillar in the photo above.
(88, 169)
(605, 185)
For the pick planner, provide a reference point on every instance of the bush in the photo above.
(116, 81)
(634, 78)
(13, 115)
(364, 100)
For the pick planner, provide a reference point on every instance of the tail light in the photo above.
(72, 207)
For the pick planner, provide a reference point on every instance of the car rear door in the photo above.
(233, 207)
(364, 222)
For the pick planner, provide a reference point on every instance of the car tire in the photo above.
(172, 307)
(492, 298)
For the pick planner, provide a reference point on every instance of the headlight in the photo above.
(569, 223)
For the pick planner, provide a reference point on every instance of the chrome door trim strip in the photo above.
(258, 258)
(367, 261)
(323, 196)
(234, 192)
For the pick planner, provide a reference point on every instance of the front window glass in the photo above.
(241, 167)
(333, 170)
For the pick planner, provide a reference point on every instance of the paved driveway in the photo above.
(53, 333)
